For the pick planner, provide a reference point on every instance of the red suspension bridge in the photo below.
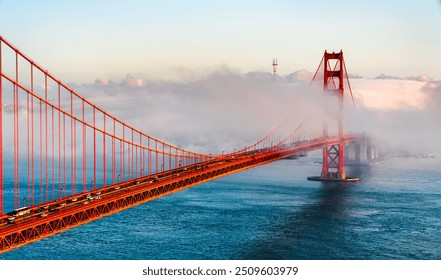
(66, 162)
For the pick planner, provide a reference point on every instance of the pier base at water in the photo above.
(333, 177)
(347, 179)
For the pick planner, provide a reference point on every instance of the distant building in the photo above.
(361, 151)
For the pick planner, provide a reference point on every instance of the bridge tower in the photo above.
(334, 73)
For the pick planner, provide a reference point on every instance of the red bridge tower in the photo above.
(333, 85)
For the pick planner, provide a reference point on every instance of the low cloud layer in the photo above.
(402, 115)
(220, 112)
(227, 109)
(391, 94)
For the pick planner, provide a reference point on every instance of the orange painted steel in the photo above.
(62, 215)
(59, 125)
(68, 140)
(333, 156)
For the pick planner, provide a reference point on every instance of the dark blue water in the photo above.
(272, 212)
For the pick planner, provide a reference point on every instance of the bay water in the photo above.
(272, 212)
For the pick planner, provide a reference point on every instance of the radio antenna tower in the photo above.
(275, 66)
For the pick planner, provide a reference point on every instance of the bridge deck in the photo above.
(57, 216)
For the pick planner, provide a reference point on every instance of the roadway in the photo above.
(29, 224)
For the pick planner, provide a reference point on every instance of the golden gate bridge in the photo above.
(72, 162)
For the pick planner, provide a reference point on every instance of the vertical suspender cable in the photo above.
(149, 156)
(74, 184)
(46, 137)
(128, 161)
(142, 150)
(169, 158)
(59, 135)
(132, 158)
(114, 153)
(136, 160)
(123, 153)
(94, 149)
(72, 148)
(104, 151)
(53, 152)
(156, 156)
(32, 138)
(64, 150)
(163, 158)
(84, 150)
(40, 154)
(16, 140)
(28, 128)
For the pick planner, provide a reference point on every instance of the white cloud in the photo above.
(401, 114)
(303, 75)
(133, 82)
(102, 82)
(222, 111)
(390, 94)
(421, 78)
(227, 110)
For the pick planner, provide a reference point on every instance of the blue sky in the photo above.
(114, 53)
(83, 40)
